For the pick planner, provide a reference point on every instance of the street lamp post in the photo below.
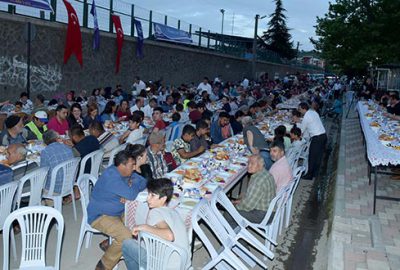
(222, 26)
(253, 62)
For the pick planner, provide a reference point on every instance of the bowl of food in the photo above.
(222, 155)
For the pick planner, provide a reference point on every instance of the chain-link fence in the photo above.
(202, 38)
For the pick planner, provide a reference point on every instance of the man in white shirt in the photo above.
(337, 86)
(245, 83)
(138, 86)
(148, 109)
(139, 103)
(312, 125)
(204, 86)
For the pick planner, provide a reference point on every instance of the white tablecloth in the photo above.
(136, 211)
(378, 154)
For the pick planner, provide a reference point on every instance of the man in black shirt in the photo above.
(394, 107)
(83, 145)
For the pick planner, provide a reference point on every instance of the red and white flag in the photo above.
(73, 43)
(120, 38)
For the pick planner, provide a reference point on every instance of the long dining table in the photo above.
(382, 140)
(223, 166)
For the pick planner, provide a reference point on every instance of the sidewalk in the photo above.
(358, 239)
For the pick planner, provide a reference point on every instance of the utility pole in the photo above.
(222, 26)
(253, 62)
(253, 70)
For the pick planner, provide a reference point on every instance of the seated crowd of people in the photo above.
(81, 124)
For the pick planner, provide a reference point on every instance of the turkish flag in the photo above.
(120, 38)
(73, 44)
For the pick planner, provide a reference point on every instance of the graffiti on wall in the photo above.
(13, 73)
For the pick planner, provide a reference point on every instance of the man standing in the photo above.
(163, 222)
(313, 126)
(280, 169)
(138, 86)
(14, 131)
(107, 204)
(220, 128)
(59, 122)
(260, 191)
(38, 125)
(204, 86)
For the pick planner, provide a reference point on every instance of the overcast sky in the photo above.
(301, 15)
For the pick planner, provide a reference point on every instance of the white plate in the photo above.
(189, 203)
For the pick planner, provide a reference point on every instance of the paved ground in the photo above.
(358, 239)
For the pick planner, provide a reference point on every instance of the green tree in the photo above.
(277, 36)
(355, 32)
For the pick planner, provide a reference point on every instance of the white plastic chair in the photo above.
(227, 256)
(141, 141)
(159, 252)
(271, 221)
(288, 204)
(240, 232)
(96, 158)
(114, 153)
(83, 184)
(293, 156)
(168, 132)
(304, 155)
(34, 222)
(36, 181)
(7, 194)
(69, 170)
(168, 146)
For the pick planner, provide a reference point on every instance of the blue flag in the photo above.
(96, 35)
(39, 4)
(139, 46)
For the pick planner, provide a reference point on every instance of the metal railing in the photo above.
(201, 37)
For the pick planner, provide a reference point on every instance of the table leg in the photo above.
(369, 172)
(375, 185)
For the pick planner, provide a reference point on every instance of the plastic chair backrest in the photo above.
(220, 197)
(296, 178)
(83, 183)
(69, 170)
(34, 222)
(7, 193)
(141, 141)
(36, 180)
(115, 152)
(168, 132)
(274, 204)
(95, 158)
(159, 252)
(203, 211)
(176, 132)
